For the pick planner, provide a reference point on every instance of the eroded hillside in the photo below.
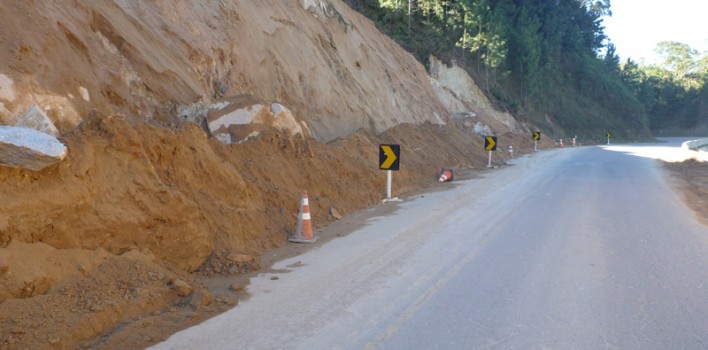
(115, 244)
(162, 59)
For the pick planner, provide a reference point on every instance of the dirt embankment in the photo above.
(692, 180)
(120, 244)
(107, 234)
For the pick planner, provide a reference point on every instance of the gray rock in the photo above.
(29, 149)
(35, 119)
(335, 214)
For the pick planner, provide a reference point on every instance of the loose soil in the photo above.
(150, 226)
(692, 181)
(143, 230)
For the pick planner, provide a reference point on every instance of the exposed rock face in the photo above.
(462, 96)
(29, 149)
(242, 117)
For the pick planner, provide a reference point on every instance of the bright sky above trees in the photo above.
(636, 26)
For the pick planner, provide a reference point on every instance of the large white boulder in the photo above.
(29, 149)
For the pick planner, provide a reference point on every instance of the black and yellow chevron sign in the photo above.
(609, 135)
(536, 135)
(490, 143)
(389, 157)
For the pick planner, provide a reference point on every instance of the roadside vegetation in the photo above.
(674, 92)
(550, 63)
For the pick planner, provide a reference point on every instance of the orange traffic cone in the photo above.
(446, 175)
(303, 233)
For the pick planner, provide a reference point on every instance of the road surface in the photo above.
(579, 248)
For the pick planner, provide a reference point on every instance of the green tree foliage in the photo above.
(539, 58)
(674, 93)
(681, 60)
(611, 60)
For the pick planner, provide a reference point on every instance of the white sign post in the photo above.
(389, 157)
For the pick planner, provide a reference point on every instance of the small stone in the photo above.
(202, 298)
(53, 340)
(274, 278)
(235, 287)
(182, 288)
(296, 264)
(240, 258)
(335, 214)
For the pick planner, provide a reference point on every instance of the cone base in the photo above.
(302, 240)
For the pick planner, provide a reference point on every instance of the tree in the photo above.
(682, 61)
(527, 51)
(611, 59)
(537, 57)
(598, 7)
(474, 35)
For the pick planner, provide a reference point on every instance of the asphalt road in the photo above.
(579, 248)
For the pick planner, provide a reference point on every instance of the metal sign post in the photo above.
(490, 160)
(609, 136)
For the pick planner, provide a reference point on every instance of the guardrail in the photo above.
(700, 146)
(695, 145)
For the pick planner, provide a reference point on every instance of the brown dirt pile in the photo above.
(133, 208)
(692, 179)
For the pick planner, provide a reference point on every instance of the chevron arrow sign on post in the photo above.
(389, 157)
(490, 143)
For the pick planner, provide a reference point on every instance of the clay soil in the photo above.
(143, 231)
(691, 178)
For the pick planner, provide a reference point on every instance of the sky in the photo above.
(636, 26)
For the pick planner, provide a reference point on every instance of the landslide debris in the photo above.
(130, 237)
(177, 201)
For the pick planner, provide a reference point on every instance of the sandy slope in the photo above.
(156, 60)
(179, 201)
(98, 250)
